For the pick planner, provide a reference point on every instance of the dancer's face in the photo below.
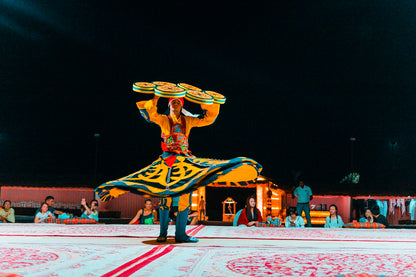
(175, 105)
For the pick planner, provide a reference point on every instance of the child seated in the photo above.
(333, 220)
(293, 220)
(88, 212)
(43, 214)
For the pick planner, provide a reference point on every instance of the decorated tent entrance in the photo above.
(270, 198)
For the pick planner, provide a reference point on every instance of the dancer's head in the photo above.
(175, 105)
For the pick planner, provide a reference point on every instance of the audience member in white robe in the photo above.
(293, 220)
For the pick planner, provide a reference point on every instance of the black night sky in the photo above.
(301, 78)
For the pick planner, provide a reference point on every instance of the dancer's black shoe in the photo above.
(161, 239)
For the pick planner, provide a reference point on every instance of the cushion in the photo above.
(357, 275)
(265, 224)
(74, 220)
(237, 215)
(373, 225)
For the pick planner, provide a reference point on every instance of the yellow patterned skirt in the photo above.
(167, 178)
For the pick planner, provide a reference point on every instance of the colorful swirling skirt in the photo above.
(175, 175)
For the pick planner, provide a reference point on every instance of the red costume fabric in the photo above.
(243, 217)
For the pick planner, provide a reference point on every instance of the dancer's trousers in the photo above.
(184, 203)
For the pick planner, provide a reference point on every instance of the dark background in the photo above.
(301, 78)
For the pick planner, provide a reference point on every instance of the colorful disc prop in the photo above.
(188, 87)
(199, 97)
(218, 98)
(143, 87)
(169, 91)
(160, 83)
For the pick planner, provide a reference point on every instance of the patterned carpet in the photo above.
(122, 250)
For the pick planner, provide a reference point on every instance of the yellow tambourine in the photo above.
(169, 91)
(199, 97)
(160, 83)
(143, 87)
(188, 87)
(218, 98)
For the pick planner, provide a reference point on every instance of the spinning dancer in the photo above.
(176, 173)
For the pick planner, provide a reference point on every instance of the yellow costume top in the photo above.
(148, 109)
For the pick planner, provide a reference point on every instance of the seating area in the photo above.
(26, 200)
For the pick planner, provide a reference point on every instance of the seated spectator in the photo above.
(192, 216)
(379, 218)
(273, 220)
(334, 220)
(250, 215)
(7, 213)
(276, 221)
(368, 216)
(293, 220)
(87, 212)
(147, 215)
(50, 201)
(43, 213)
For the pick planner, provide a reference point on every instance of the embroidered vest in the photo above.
(176, 141)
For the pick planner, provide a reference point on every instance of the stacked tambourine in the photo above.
(191, 93)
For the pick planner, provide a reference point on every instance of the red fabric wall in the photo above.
(128, 204)
(33, 196)
(342, 202)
